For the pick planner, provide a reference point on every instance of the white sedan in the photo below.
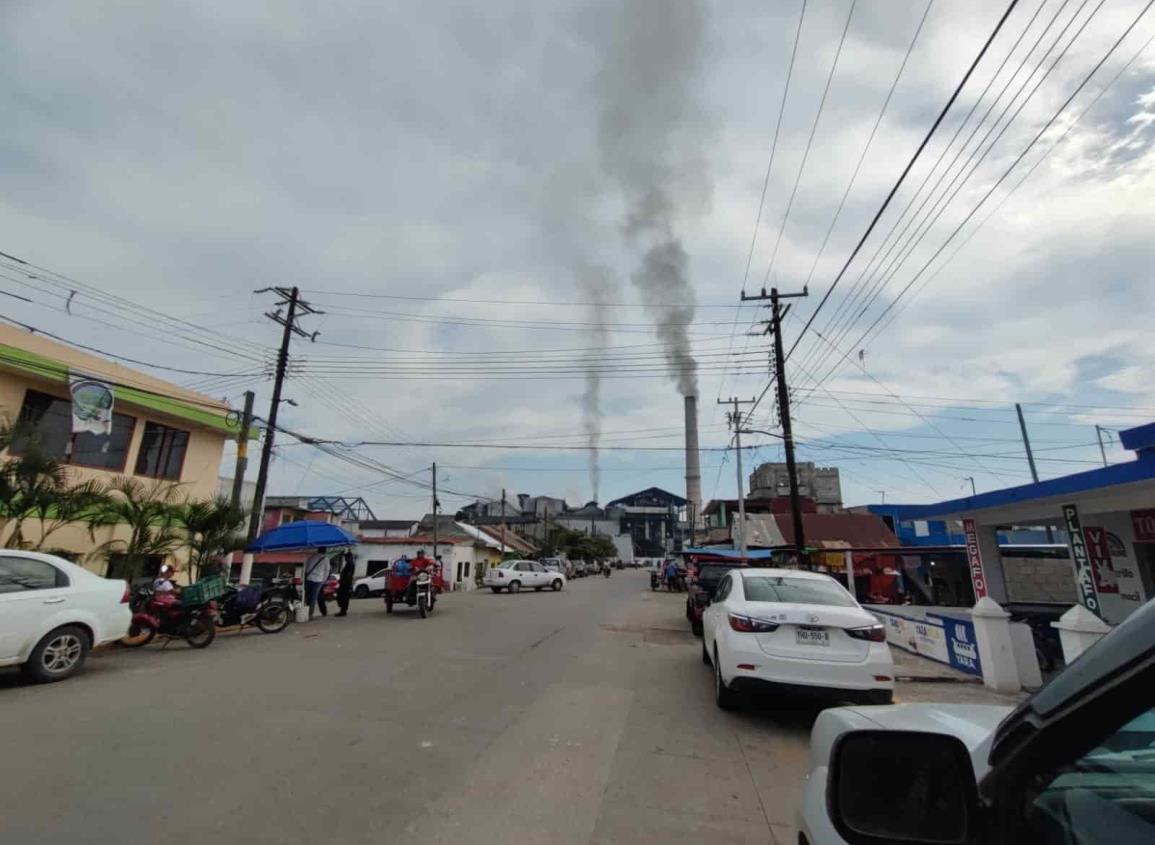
(371, 585)
(784, 628)
(53, 612)
(517, 575)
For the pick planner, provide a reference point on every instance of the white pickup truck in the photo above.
(1072, 765)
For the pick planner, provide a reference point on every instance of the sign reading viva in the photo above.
(975, 558)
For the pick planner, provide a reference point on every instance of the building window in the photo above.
(46, 423)
(161, 452)
(921, 528)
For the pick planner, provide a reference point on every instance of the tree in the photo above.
(150, 513)
(211, 527)
(68, 505)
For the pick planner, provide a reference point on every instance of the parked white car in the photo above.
(1071, 765)
(52, 613)
(371, 585)
(517, 575)
(783, 628)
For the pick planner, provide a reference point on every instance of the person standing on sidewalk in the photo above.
(345, 584)
(316, 574)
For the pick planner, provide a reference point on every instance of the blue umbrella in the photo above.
(307, 534)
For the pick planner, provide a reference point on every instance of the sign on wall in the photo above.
(1084, 576)
(945, 639)
(975, 558)
(1143, 524)
(92, 403)
(1099, 554)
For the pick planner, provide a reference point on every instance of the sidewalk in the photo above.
(921, 679)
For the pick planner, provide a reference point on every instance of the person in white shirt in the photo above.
(316, 574)
(163, 582)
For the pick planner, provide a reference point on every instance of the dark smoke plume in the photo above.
(595, 284)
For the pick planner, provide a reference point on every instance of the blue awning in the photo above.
(306, 534)
(732, 554)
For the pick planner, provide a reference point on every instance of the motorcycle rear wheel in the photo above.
(138, 635)
(200, 632)
(273, 618)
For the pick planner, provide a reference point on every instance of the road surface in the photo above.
(567, 718)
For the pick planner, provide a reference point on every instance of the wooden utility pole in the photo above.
(291, 299)
(242, 449)
(774, 326)
(435, 505)
(1027, 443)
(1102, 449)
(503, 523)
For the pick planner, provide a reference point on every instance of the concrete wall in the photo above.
(1039, 580)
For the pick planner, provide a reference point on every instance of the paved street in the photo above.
(578, 717)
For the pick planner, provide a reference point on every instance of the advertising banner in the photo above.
(1084, 578)
(962, 649)
(945, 639)
(1143, 524)
(975, 558)
(92, 403)
(1099, 553)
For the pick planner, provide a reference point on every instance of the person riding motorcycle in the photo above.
(163, 582)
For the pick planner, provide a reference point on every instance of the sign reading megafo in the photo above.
(975, 558)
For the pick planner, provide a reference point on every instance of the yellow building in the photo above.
(159, 431)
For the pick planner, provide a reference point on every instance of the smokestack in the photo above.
(693, 467)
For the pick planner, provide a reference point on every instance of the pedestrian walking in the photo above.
(345, 584)
(316, 574)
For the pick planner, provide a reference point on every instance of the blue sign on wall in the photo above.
(962, 649)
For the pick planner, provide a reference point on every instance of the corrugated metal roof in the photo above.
(762, 531)
(853, 529)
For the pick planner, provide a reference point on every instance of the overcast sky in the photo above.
(453, 180)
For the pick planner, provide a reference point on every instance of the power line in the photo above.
(902, 176)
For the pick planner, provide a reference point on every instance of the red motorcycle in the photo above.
(168, 615)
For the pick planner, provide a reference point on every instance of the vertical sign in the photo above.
(975, 558)
(1143, 524)
(1084, 578)
(1099, 554)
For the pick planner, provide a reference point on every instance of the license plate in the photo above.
(812, 636)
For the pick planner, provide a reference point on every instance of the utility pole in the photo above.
(971, 479)
(242, 449)
(735, 418)
(291, 299)
(435, 505)
(775, 326)
(503, 523)
(1027, 443)
(1102, 449)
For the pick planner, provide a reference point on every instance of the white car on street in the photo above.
(52, 613)
(785, 628)
(517, 575)
(371, 585)
(1072, 765)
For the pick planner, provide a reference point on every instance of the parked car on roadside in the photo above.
(580, 568)
(371, 585)
(701, 584)
(784, 628)
(1071, 765)
(53, 612)
(518, 575)
(558, 564)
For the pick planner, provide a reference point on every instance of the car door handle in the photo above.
(53, 601)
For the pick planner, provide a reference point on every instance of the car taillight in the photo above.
(127, 597)
(873, 633)
(750, 625)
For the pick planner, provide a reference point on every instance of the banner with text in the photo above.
(975, 558)
(1084, 577)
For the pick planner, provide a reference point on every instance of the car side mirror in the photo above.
(902, 786)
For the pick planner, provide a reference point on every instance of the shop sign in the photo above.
(1084, 577)
(975, 558)
(1143, 524)
(962, 648)
(1099, 553)
(92, 403)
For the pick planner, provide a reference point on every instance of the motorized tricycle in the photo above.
(417, 583)
(190, 616)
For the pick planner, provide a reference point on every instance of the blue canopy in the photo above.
(731, 554)
(307, 534)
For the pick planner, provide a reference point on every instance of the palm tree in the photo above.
(150, 513)
(211, 528)
(78, 503)
(29, 486)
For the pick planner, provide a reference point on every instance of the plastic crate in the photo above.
(203, 591)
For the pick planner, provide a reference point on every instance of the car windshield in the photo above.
(783, 588)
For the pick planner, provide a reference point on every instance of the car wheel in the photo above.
(556, 585)
(496, 589)
(515, 586)
(362, 592)
(58, 655)
(724, 697)
(705, 654)
(696, 627)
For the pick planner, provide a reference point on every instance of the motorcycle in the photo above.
(655, 580)
(246, 606)
(165, 614)
(417, 587)
(607, 571)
